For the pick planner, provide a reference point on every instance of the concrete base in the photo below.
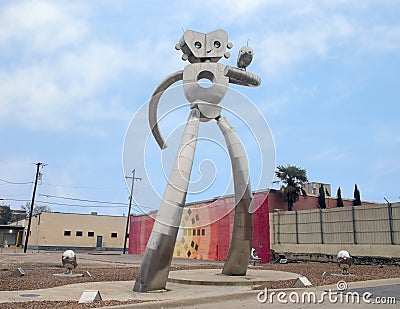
(215, 277)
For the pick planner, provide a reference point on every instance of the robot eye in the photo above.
(217, 44)
(197, 44)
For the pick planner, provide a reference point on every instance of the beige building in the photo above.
(11, 235)
(61, 231)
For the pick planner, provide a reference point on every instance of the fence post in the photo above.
(297, 227)
(390, 223)
(279, 228)
(354, 225)
(320, 226)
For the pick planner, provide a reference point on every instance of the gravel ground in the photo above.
(30, 282)
(63, 304)
(312, 270)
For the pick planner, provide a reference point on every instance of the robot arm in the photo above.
(241, 77)
(153, 105)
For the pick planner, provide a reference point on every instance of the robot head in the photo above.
(200, 47)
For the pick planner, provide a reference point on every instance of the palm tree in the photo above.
(293, 178)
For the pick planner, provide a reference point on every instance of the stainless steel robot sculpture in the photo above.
(203, 52)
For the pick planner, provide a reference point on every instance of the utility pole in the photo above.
(38, 165)
(130, 206)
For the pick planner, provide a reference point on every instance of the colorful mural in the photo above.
(206, 228)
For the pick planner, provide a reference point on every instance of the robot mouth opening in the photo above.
(208, 59)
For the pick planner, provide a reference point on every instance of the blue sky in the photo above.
(74, 73)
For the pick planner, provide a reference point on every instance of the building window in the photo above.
(79, 233)
(203, 232)
(114, 235)
(198, 232)
(67, 233)
(90, 234)
(194, 232)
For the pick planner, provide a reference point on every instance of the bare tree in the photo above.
(37, 209)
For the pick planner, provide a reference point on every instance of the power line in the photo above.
(92, 201)
(54, 185)
(119, 205)
(71, 205)
(75, 187)
(16, 183)
(83, 200)
(138, 209)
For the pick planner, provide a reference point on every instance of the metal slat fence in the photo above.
(370, 224)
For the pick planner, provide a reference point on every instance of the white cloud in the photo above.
(297, 32)
(228, 12)
(43, 26)
(158, 59)
(62, 69)
(56, 93)
(286, 49)
(62, 74)
(17, 169)
(382, 38)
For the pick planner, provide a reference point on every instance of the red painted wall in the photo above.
(214, 244)
(139, 232)
(261, 240)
